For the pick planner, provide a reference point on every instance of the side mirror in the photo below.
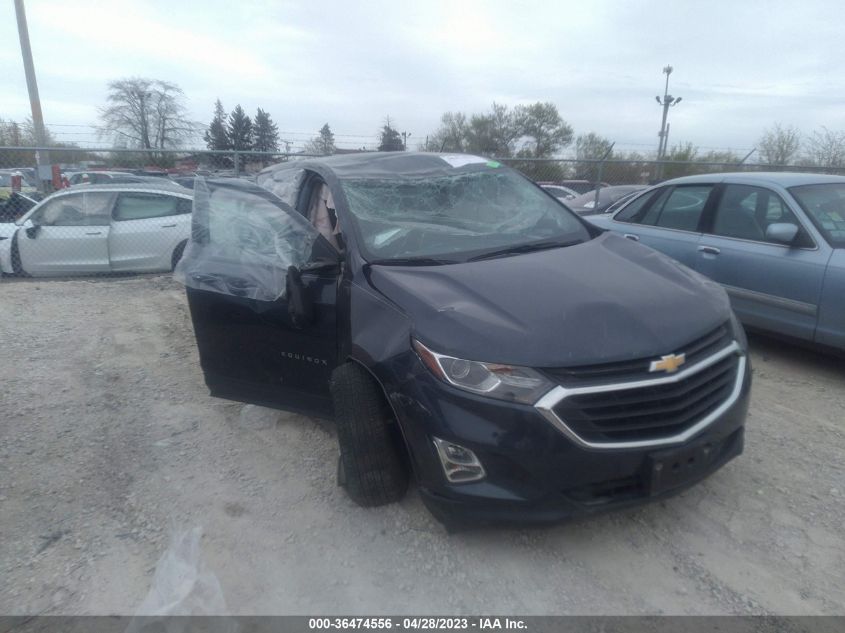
(782, 232)
(32, 231)
(300, 305)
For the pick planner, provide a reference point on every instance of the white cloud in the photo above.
(739, 66)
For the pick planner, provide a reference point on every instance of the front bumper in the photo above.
(535, 473)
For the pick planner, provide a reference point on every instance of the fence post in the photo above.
(601, 173)
(237, 164)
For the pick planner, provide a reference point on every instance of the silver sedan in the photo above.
(138, 227)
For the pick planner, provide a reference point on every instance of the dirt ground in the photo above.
(109, 445)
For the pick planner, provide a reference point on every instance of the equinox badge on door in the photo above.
(669, 363)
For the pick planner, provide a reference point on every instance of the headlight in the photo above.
(738, 332)
(505, 382)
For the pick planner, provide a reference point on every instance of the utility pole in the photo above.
(41, 157)
(667, 102)
(405, 136)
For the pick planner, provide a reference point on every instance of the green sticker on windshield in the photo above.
(493, 163)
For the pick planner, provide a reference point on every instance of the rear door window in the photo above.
(634, 209)
(141, 206)
(678, 208)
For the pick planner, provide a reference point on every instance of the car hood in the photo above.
(608, 299)
(600, 220)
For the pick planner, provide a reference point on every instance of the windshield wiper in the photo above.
(522, 248)
(412, 261)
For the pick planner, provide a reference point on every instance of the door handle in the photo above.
(168, 226)
(95, 233)
(710, 250)
(631, 236)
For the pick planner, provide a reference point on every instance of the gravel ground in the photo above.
(110, 445)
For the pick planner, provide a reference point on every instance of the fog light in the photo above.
(460, 464)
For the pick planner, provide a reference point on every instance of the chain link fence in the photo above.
(121, 210)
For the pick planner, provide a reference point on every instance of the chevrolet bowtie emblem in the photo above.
(669, 363)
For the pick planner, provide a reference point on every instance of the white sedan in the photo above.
(138, 227)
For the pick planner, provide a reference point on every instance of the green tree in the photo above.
(591, 147)
(629, 168)
(779, 145)
(217, 136)
(680, 161)
(390, 140)
(266, 133)
(543, 127)
(323, 143)
(239, 129)
(494, 133)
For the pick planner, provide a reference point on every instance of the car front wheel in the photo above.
(372, 468)
(177, 254)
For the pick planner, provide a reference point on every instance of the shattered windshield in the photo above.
(455, 216)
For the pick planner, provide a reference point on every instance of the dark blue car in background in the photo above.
(774, 241)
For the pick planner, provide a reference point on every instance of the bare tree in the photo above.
(779, 145)
(146, 113)
(826, 148)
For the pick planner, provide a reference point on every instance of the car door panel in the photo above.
(235, 269)
(667, 220)
(250, 350)
(69, 235)
(830, 329)
(146, 244)
(772, 286)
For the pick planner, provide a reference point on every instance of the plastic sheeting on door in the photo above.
(243, 241)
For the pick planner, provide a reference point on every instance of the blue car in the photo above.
(774, 241)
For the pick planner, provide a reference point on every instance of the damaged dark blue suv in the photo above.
(465, 329)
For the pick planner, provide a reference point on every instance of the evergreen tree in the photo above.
(266, 133)
(323, 144)
(391, 140)
(239, 129)
(217, 136)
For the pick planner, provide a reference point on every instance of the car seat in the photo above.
(321, 214)
(734, 220)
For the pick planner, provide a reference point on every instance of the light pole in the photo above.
(42, 158)
(667, 101)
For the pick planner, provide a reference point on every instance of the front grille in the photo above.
(652, 412)
(637, 369)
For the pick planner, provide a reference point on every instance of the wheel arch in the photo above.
(409, 453)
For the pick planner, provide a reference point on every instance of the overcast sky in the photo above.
(739, 65)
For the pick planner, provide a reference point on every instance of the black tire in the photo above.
(371, 468)
(177, 254)
(16, 257)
